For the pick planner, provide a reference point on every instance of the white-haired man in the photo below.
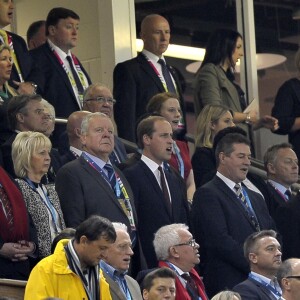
(116, 264)
(176, 248)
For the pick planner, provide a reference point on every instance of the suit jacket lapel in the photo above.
(149, 70)
(101, 181)
(268, 293)
(59, 69)
(115, 290)
(155, 185)
(233, 198)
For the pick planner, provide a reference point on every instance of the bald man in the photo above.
(140, 78)
(288, 277)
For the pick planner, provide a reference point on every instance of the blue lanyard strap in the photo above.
(265, 284)
(45, 198)
(179, 159)
(250, 209)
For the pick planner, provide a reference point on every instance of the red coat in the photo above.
(181, 292)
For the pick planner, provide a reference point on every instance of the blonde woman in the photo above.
(30, 154)
(210, 121)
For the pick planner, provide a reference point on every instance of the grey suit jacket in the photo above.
(213, 87)
(117, 294)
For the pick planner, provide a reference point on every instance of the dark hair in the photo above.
(271, 153)
(33, 29)
(58, 13)
(156, 102)
(226, 144)
(221, 46)
(225, 131)
(158, 273)
(146, 127)
(18, 104)
(251, 241)
(67, 233)
(94, 227)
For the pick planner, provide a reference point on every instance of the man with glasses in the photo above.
(115, 266)
(176, 249)
(263, 252)
(98, 98)
(289, 279)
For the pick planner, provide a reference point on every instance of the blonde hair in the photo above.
(11, 90)
(226, 295)
(209, 114)
(24, 146)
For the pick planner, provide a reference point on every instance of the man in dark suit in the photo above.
(281, 164)
(140, 78)
(115, 266)
(91, 185)
(263, 252)
(61, 78)
(224, 213)
(23, 66)
(27, 113)
(160, 195)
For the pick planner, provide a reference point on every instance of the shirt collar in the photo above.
(111, 271)
(177, 269)
(152, 165)
(152, 56)
(100, 163)
(231, 184)
(76, 150)
(282, 189)
(60, 52)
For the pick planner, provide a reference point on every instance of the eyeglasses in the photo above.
(102, 100)
(294, 276)
(191, 243)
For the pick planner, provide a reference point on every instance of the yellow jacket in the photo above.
(51, 277)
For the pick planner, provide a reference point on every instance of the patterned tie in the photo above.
(288, 195)
(191, 286)
(113, 157)
(167, 76)
(111, 175)
(7, 208)
(250, 212)
(75, 75)
(165, 190)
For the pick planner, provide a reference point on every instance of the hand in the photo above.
(25, 88)
(16, 251)
(268, 122)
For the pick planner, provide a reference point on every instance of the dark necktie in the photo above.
(167, 76)
(111, 175)
(165, 190)
(113, 157)
(288, 195)
(250, 213)
(75, 76)
(7, 208)
(191, 286)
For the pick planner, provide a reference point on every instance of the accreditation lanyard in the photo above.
(179, 159)
(70, 76)
(45, 198)
(279, 193)
(268, 286)
(119, 191)
(249, 209)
